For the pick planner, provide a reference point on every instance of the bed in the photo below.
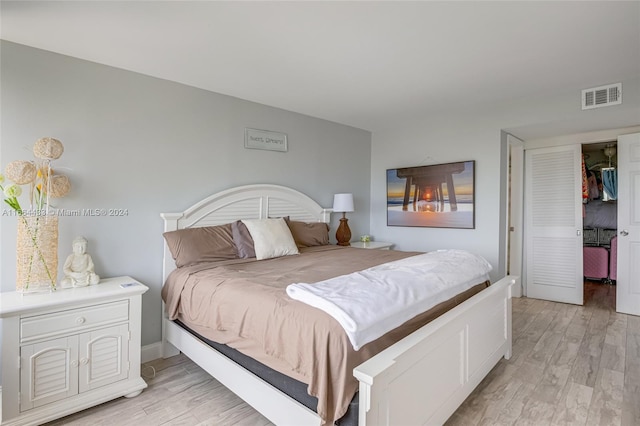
(420, 379)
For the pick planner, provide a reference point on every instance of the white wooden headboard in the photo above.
(259, 201)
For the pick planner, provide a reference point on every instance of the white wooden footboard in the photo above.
(422, 379)
(425, 377)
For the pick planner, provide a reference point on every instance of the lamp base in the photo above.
(343, 233)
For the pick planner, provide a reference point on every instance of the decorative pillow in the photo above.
(309, 234)
(271, 238)
(242, 239)
(196, 245)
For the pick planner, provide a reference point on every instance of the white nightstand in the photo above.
(376, 245)
(69, 350)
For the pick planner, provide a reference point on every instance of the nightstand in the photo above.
(70, 349)
(375, 245)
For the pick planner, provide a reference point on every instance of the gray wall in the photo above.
(152, 146)
(475, 132)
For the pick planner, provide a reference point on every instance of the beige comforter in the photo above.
(243, 304)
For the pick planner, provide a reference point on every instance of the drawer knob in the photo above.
(80, 320)
(74, 363)
(84, 361)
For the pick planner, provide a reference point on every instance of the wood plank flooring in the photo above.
(571, 365)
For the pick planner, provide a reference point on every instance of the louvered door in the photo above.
(553, 224)
(49, 372)
(103, 357)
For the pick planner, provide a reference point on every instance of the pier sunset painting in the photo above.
(438, 196)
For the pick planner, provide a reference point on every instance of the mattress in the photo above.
(297, 389)
(254, 316)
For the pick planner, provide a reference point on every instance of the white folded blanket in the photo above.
(371, 302)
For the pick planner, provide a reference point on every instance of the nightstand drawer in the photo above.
(58, 323)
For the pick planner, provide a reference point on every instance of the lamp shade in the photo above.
(343, 203)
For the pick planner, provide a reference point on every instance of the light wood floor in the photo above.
(571, 365)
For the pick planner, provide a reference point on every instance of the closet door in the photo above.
(553, 224)
(628, 291)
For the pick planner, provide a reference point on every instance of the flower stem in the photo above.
(33, 235)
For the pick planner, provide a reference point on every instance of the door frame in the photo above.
(569, 139)
(515, 213)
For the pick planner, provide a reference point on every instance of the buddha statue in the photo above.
(78, 268)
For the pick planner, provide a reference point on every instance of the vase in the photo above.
(37, 254)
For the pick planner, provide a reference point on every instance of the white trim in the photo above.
(151, 352)
(515, 210)
(580, 138)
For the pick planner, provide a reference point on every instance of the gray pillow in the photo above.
(242, 240)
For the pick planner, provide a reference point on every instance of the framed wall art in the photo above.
(265, 139)
(437, 196)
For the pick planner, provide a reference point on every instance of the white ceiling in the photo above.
(364, 64)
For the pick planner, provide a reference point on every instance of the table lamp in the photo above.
(343, 203)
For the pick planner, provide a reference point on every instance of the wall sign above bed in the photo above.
(438, 196)
(265, 139)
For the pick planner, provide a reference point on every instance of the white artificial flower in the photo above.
(12, 191)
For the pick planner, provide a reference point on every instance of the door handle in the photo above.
(624, 232)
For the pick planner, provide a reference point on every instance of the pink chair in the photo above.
(613, 259)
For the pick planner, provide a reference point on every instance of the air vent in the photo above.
(602, 96)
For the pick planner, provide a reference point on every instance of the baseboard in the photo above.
(151, 352)
(516, 288)
(516, 291)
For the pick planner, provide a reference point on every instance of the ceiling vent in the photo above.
(602, 96)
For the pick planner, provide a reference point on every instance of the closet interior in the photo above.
(600, 214)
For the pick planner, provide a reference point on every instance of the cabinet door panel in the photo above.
(104, 357)
(49, 372)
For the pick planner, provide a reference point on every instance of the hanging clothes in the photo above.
(609, 183)
(594, 189)
(585, 184)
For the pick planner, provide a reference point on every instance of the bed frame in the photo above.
(422, 379)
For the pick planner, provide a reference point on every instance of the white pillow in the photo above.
(271, 238)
